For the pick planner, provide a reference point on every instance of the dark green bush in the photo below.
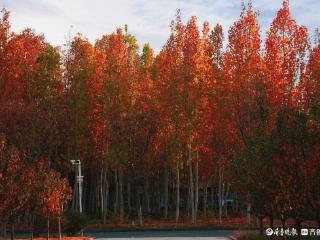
(74, 221)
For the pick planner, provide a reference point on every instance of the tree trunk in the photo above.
(121, 195)
(298, 226)
(12, 231)
(101, 183)
(318, 222)
(212, 196)
(166, 186)
(271, 221)
(140, 214)
(106, 199)
(158, 192)
(91, 197)
(116, 195)
(283, 221)
(205, 198)
(196, 190)
(4, 229)
(188, 201)
(248, 210)
(59, 226)
(75, 193)
(226, 205)
(261, 224)
(129, 195)
(32, 225)
(48, 228)
(146, 191)
(178, 194)
(191, 185)
(220, 191)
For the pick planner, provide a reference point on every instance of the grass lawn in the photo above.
(210, 222)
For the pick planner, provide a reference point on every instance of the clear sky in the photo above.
(148, 20)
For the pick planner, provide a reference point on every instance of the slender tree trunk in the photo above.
(116, 200)
(261, 224)
(196, 190)
(121, 195)
(226, 205)
(139, 207)
(283, 223)
(59, 226)
(220, 191)
(166, 190)
(248, 210)
(84, 195)
(106, 199)
(75, 193)
(101, 183)
(205, 198)
(298, 226)
(318, 221)
(91, 197)
(146, 191)
(32, 225)
(212, 196)
(178, 194)
(129, 195)
(191, 185)
(4, 229)
(271, 221)
(158, 192)
(48, 228)
(188, 201)
(140, 214)
(12, 231)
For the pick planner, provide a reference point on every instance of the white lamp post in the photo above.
(79, 180)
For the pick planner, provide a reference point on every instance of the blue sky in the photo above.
(148, 20)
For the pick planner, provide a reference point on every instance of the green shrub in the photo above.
(74, 221)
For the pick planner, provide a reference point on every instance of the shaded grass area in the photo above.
(209, 222)
(149, 223)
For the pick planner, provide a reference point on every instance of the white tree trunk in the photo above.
(59, 227)
(196, 190)
(166, 190)
(191, 184)
(220, 191)
(178, 194)
(248, 210)
(101, 193)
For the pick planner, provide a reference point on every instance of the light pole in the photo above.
(79, 180)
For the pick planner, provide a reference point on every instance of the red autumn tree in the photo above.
(286, 47)
(56, 193)
(242, 70)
